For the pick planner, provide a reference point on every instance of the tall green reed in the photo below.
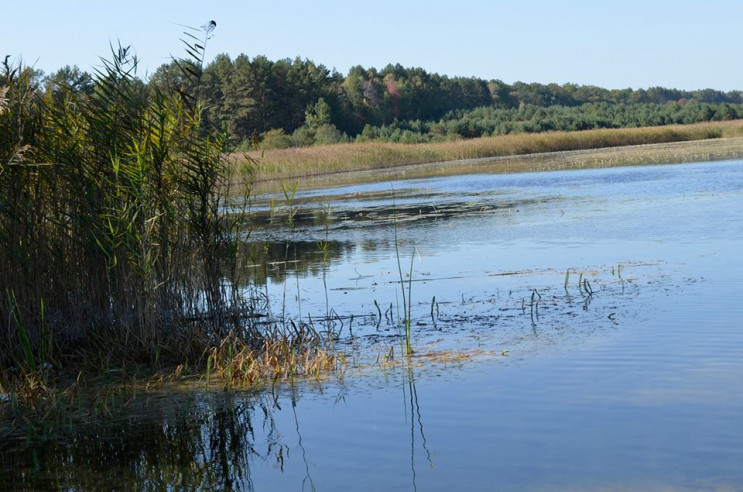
(406, 299)
(117, 226)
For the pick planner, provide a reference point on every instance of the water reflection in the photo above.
(308, 237)
(275, 261)
(200, 441)
(373, 207)
(416, 422)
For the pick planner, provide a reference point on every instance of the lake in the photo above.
(572, 330)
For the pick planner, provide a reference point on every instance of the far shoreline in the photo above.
(713, 149)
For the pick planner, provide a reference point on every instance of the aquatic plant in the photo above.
(276, 358)
(121, 230)
(534, 306)
(112, 213)
(406, 299)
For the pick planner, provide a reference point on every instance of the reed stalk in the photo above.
(406, 299)
(114, 235)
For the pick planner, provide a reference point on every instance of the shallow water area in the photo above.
(572, 330)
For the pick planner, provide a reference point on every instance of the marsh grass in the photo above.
(111, 230)
(45, 404)
(282, 357)
(319, 160)
(120, 229)
(428, 356)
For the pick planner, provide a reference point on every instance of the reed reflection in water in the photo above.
(209, 441)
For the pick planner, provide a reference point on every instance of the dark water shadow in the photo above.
(199, 441)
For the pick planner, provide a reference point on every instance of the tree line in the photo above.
(528, 118)
(260, 102)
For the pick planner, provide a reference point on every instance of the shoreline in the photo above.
(688, 151)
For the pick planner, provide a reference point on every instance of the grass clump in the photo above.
(236, 362)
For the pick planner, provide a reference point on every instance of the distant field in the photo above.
(511, 153)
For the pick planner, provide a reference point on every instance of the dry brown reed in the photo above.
(308, 161)
(282, 358)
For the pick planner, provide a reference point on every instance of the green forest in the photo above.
(260, 103)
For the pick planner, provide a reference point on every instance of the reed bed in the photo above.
(119, 239)
(318, 160)
(111, 230)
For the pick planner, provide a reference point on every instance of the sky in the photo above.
(681, 44)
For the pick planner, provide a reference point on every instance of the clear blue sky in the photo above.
(677, 44)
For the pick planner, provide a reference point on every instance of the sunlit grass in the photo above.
(308, 161)
(282, 358)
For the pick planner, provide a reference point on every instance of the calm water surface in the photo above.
(518, 383)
